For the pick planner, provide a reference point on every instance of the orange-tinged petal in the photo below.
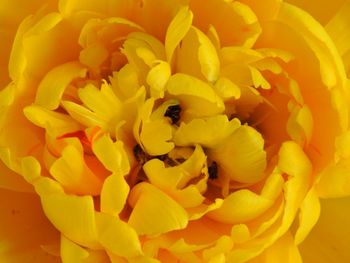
(125, 82)
(294, 163)
(322, 13)
(154, 212)
(10, 18)
(264, 10)
(235, 22)
(240, 233)
(72, 215)
(334, 181)
(309, 214)
(12, 181)
(300, 124)
(328, 241)
(337, 29)
(24, 229)
(38, 43)
(94, 55)
(283, 248)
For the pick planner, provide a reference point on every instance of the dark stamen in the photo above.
(213, 170)
(162, 157)
(139, 154)
(173, 112)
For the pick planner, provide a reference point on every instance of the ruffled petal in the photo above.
(197, 97)
(241, 157)
(52, 87)
(154, 212)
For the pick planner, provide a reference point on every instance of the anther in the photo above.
(173, 112)
(213, 170)
(139, 154)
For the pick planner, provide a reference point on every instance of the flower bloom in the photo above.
(174, 131)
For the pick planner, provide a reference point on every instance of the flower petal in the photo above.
(329, 239)
(113, 200)
(177, 30)
(73, 173)
(117, 236)
(112, 155)
(52, 87)
(197, 97)
(208, 132)
(55, 123)
(197, 56)
(283, 248)
(308, 216)
(241, 157)
(24, 229)
(154, 212)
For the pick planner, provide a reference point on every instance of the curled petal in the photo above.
(154, 212)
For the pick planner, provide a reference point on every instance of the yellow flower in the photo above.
(175, 131)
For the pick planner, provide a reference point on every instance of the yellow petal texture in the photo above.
(331, 69)
(75, 176)
(154, 212)
(309, 213)
(72, 215)
(197, 96)
(38, 44)
(51, 88)
(282, 248)
(9, 22)
(229, 16)
(71, 252)
(208, 132)
(329, 239)
(244, 205)
(197, 56)
(145, 128)
(117, 236)
(173, 180)
(113, 200)
(174, 131)
(241, 156)
(32, 231)
(157, 78)
(177, 30)
(322, 13)
(53, 122)
(112, 155)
